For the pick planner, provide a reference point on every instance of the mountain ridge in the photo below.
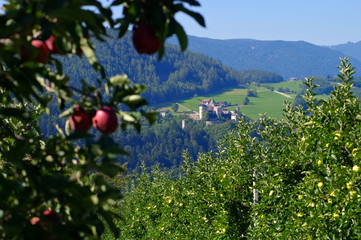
(177, 76)
(297, 59)
(350, 48)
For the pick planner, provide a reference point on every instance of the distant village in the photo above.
(211, 111)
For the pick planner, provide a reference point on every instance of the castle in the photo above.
(215, 110)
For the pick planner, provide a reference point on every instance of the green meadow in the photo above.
(266, 101)
(292, 85)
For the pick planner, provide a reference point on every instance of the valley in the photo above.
(185, 80)
(117, 124)
(266, 101)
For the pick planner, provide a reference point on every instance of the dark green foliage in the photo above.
(325, 85)
(299, 101)
(175, 107)
(246, 101)
(259, 76)
(269, 87)
(252, 93)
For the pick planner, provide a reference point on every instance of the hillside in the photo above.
(177, 76)
(290, 59)
(350, 49)
(166, 141)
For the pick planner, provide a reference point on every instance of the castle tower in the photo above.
(201, 107)
(184, 123)
(219, 111)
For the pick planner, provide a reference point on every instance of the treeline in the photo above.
(259, 76)
(326, 85)
(176, 76)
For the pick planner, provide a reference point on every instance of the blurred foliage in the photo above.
(54, 187)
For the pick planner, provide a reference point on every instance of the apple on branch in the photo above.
(46, 224)
(51, 45)
(105, 120)
(81, 120)
(145, 39)
(42, 53)
(51, 216)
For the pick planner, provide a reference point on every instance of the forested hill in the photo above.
(176, 76)
(350, 48)
(288, 58)
(166, 141)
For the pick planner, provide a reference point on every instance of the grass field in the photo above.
(292, 85)
(266, 102)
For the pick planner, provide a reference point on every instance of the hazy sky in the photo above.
(322, 22)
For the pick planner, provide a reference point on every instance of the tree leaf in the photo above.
(17, 113)
(119, 80)
(88, 51)
(192, 2)
(110, 222)
(123, 29)
(196, 16)
(161, 52)
(182, 36)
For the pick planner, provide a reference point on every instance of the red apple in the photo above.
(52, 216)
(145, 39)
(48, 216)
(81, 120)
(51, 45)
(105, 120)
(41, 55)
(34, 220)
(46, 224)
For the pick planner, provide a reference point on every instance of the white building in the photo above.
(164, 112)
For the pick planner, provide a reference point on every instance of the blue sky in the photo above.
(321, 22)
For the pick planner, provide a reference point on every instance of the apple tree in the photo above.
(53, 187)
(297, 177)
(308, 175)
